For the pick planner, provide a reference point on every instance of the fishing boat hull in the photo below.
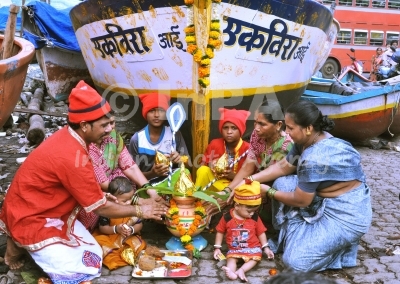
(206, 55)
(62, 63)
(62, 70)
(12, 76)
(358, 117)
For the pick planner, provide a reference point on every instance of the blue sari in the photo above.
(325, 234)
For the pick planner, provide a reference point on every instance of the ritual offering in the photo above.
(161, 159)
(172, 264)
(128, 255)
(184, 184)
(221, 165)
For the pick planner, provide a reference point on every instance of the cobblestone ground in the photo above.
(378, 260)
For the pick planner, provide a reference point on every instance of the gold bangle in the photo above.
(135, 200)
(271, 193)
(139, 212)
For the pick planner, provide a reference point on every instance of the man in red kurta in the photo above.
(49, 189)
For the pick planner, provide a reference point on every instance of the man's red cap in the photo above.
(153, 100)
(85, 104)
(236, 116)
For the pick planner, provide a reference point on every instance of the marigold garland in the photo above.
(213, 42)
(186, 234)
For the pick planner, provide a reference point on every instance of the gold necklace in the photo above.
(239, 225)
(314, 140)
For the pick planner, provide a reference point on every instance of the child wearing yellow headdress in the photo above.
(244, 232)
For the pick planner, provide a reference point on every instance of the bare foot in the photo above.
(14, 254)
(241, 275)
(229, 273)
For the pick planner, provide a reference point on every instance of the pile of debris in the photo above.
(36, 115)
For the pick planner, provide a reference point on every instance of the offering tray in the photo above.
(175, 264)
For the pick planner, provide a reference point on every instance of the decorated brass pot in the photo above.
(186, 215)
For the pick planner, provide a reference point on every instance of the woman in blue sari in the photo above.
(324, 210)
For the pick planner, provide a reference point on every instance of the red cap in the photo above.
(85, 104)
(153, 100)
(236, 116)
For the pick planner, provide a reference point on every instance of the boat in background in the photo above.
(57, 50)
(360, 110)
(12, 76)
(206, 54)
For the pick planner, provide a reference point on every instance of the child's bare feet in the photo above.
(14, 255)
(229, 273)
(241, 275)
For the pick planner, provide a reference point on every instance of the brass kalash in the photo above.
(186, 217)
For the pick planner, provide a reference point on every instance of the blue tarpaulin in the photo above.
(4, 12)
(54, 25)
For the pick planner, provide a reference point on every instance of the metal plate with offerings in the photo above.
(174, 264)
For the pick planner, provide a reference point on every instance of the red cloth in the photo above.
(153, 100)
(85, 104)
(251, 230)
(216, 149)
(44, 197)
(236, 116)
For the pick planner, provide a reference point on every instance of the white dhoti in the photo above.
(71, 265)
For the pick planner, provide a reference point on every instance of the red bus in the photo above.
(365, 25)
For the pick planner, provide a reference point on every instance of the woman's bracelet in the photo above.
(146, 185)
(271, 192)
(226, 191)
(115, 229)
(139, 212)
(133, 230)
(135, 199)
(266, 245)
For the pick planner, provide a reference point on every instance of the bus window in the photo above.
(362, 3)
(391, 36)
(376, 38)
(394, 4)
(360, 37)
(345, 2)
(343, 37)
(378, 4)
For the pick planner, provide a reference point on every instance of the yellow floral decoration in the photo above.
(213, 42)
(186, 234)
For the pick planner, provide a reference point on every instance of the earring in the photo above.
(308, 133)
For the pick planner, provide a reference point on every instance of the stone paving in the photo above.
(378, 260)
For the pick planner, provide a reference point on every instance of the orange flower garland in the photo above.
(186, 234)
(213, 42)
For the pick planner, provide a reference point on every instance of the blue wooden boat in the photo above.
(361, 111)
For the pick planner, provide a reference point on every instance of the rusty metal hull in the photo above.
(12, 76)
(62, 70)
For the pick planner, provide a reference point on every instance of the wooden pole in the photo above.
(8, 42)
(21, 31)
(36, 131)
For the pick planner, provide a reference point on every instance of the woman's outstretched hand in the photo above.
(212, 209)
(153, 211)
